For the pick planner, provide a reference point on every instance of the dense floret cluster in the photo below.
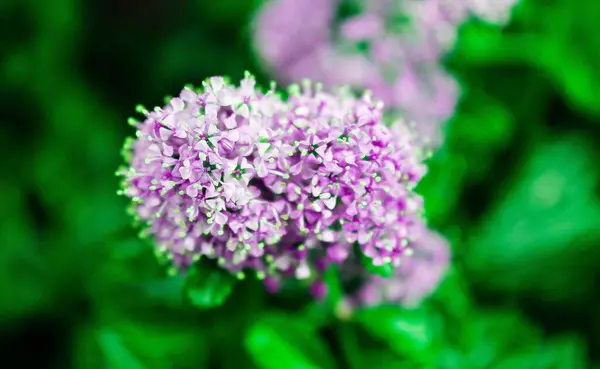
(281, 187)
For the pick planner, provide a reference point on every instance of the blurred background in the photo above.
(514, 187)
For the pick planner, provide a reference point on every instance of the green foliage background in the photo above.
(515, 189)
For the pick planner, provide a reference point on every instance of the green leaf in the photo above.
(116, 353)
(361, 353)
(277, 341)
(481, 123)
(207, 286)
(334, 286)
(541, 35)
(407, 331)
(563, 353)
(231, 11)
(137, 344)
(385, 359)
(452, 295)
(19, 253)
(442, 185)
(577, 76)
(547, 220)
(491, 336)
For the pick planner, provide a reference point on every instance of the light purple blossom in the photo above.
(284, 188)
(405, 41)
(418, 275)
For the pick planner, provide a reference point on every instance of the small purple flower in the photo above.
(281, 187)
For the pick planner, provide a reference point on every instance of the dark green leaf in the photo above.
(547, 220)
(492, 336)
(452, 296)
(407, 331)
(562, 353)
(334, 287)
(442, 185)
(115, 352)
(360, 353)
(385, 359)
(137, 344)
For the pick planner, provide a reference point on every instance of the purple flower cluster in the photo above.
(392, 48)
(281, 187)
(414, 279)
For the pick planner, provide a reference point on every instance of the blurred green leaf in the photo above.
(572, 65)
(481, 122)
(452, 295)
(26, 283)
(407, 331)
(127, 270)
(486, 44)
(360, 353)
(167, 290)
(504, 339)
(281, 342)
(494, 335)
(480, 127)
(335, 292)
(136, 344)
(117, 355)
(207, 286)
(561, 353)
(385, 359)
(566, 352)
(232, 11)
(442, 185)
(543, 233)
(542, 35)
